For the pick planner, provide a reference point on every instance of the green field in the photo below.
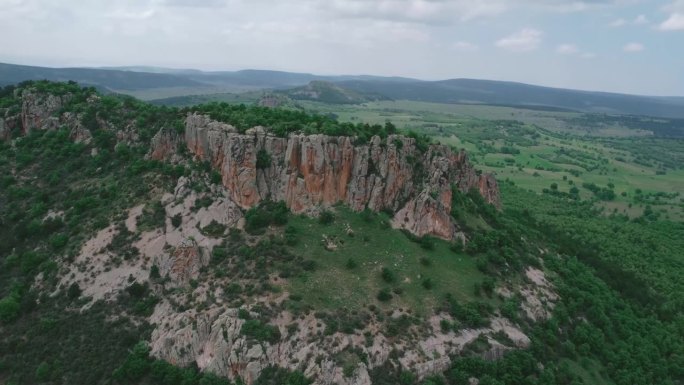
(374, 245)
(536, 149)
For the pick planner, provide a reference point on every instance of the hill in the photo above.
(470, 91)
(161, 83)
(327, 92)
(104, 79)
(221, 244)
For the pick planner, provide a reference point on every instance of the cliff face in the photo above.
(308, 172)
(41, 111)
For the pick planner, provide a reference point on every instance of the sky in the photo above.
(630, 46)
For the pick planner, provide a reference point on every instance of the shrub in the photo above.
(260, 331)
(58, 241)
(291, 237)
(9, 308)
(263, 159)
(384, 295)
(326, 217)
(351, 264)
(214, 229)
(428, 284)
(265, 214)
(176, 220)
(74, 291)
(427, 243)
(154, 272)
(388, 275)
(218, 254)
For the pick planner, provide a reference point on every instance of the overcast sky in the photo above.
(610, 45)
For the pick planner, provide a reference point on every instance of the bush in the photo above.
(214, 229)
(58, 241)
(427, 243)
(265, 214)
(260, 331)
(154, 272)
(176, 220)
(351, 264)
(291, 237)
(136, 366)
(263, 159)
(273, 375)
(9, 308)
(326, 217)
(428, 284)
(388, 275)
(74, 291)
(218, 254)
(384, 295)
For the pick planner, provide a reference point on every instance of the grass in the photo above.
(552, 149)
(336, 283)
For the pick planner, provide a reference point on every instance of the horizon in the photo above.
(140, 69)
(615, 46)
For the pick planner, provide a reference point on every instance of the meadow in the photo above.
(546, 151)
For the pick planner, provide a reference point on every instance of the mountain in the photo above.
(231, 244)
(194, 82)
(521, 95)
(112, 80)
(327, 92)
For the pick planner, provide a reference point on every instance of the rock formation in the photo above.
(42, 111)
(308, 172)
(38, 110)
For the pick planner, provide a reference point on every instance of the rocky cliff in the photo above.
(42, 111)
(309, 172)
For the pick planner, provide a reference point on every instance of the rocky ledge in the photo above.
(311, 172)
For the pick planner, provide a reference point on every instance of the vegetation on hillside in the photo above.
(619, 318)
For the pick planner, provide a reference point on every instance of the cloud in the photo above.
(464, 46)
(633, 47)
(617, 23)
(422, 11)
(674, 23)
(525, 40)
(639, 20)
(567, 49)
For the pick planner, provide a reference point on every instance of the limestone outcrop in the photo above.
(308, 172)
(43, 111)
(38, 110)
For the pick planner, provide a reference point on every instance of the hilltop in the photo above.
(231, 243)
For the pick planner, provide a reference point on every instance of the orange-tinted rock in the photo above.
(310, 171)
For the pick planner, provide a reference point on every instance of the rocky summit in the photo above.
(311, 172)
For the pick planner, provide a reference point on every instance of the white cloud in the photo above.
(617, 23)
(464, 46)
(567, 49)
(525, 40)
(423, 11)
(674, 23)
(633, 47)
(641, 19)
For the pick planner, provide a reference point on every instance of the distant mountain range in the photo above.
(465, 91)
